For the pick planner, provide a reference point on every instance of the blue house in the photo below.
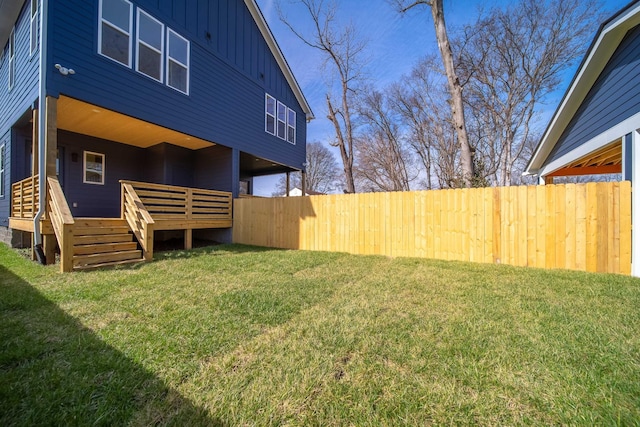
(138, 117)
(595, 128)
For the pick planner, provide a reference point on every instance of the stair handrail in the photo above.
(62, 221)
(138, 218)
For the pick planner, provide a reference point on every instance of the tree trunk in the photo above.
(455, 90)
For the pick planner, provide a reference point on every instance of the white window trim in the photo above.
(101, 20)
(3, 177)
(267, 114)
(84, 167)
(161, 51)
(12, 58)
(169, 32)
(289, 125)
(33, 32)
(278, 121)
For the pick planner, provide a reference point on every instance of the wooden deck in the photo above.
(145, 208)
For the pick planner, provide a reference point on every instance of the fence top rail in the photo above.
(164, 187)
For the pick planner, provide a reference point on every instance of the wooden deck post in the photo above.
(188, 238)
(288, 185)
(66, 250)
(51, 138)
(49, 246)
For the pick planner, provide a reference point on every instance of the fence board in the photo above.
(575, 226)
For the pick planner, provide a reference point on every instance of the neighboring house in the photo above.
(295, 192)
(595, 128)
(185, 93)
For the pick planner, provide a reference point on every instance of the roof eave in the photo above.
(607, 39)
(277, 53)
(9, 12)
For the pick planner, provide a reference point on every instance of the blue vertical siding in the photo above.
(614, 97)
(230, 72)
(17, 102)
(212, 168)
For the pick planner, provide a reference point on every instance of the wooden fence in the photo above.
(574, 226)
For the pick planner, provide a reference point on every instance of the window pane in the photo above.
(115, 44)
(34, 35)
(34, 7)
(177, 78)
(291, 135)
(271, 106)
(292, 117)
(271, 125)
(150, 31)
(282, 112)
(117, 12)
(178, 48)
(149, 62)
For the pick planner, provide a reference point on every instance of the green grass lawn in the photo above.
(236, 335)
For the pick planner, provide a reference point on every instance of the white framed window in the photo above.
(34, 26)
(12, 58)
(2, 168)
(291, 126)
(114, 35)
(270, 114)
(177, 62)
(282, 120)
(93, 168)
(150, 43)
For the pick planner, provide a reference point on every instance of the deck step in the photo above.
(100, 248)
(102, 238)
(86, 231)
(103, 258)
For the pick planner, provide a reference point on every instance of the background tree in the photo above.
(323, 172)
(383, 160)
(341, 48)
(455, 88)
(510, 60)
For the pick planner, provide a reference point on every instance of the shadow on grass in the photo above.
(54, 371)
(222, 249)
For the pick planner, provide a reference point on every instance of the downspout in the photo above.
(42, 153)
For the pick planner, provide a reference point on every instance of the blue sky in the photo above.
(394, 44)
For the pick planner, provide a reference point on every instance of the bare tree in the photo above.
(422, 102)
(341, 48)
(510, 60)
(383, 162)
(322, 173)
(455, 88)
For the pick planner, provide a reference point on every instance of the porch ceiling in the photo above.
(603, 161)
(88, 119)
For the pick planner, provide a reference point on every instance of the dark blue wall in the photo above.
(614, 97)
(231, 69)
(15, 103)
(212, 168)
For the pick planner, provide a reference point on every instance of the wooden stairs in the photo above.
(100, 242)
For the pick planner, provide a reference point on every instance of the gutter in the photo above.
(42, 153)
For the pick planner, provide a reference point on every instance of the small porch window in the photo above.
(93, 168)
(34, 26)
(177, 62)
(270, 120)
(114, 37)
(2, 168)
(150, 46)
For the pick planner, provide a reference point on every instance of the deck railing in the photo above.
(62, 222)
(168, 202)
(138, 218)
(25, 197)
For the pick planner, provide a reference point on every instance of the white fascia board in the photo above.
(611, 135)
(599, 55)
(258, 17)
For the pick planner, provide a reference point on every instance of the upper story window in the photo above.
(280, 120)
(114, 39)
(291, 126)
(150, 46)
(177, 62)
(34, 26)
(270, 108)
(12, 58)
